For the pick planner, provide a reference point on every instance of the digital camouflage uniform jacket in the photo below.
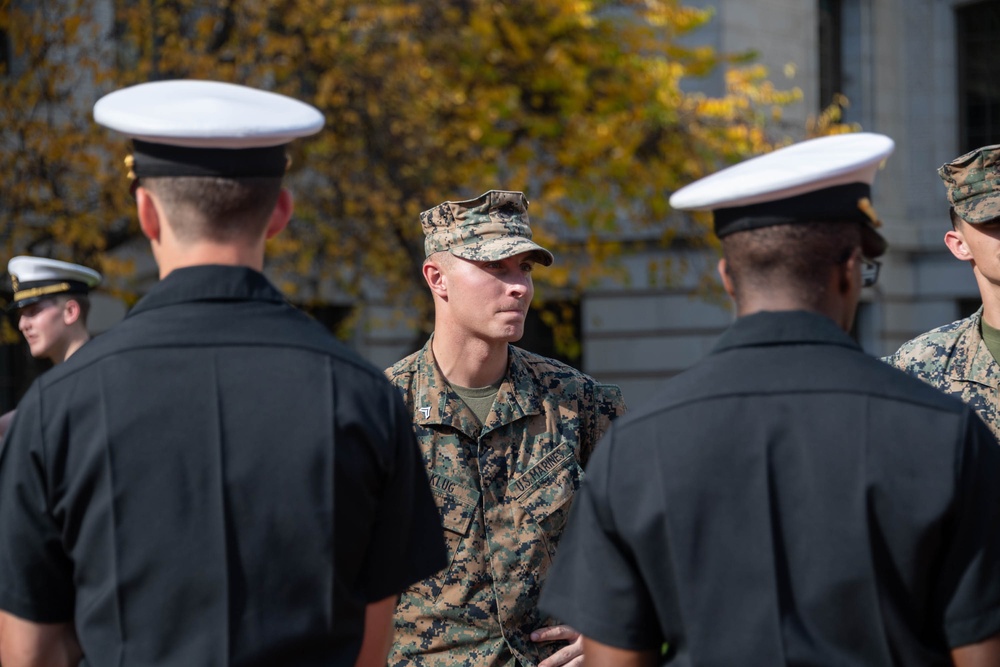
(504, 494)
(955, 359)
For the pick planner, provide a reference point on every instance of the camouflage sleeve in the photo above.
(912, 353)
(925, 358)
(607, 404)
(929, 355)
(894, 360)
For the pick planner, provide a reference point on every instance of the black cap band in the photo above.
(152, 159)
(840, 203)
(835, 204)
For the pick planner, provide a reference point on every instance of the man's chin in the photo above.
(514, 336)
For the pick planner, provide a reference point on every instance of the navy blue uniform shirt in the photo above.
(214, 481)
(789, 500)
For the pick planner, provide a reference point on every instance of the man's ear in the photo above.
(955, 241)
(849, 274)
(435, 278)
(727, 281)
(71, 311)
(281, 214)
(149, 215)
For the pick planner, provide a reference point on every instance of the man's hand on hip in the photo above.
(568, 656)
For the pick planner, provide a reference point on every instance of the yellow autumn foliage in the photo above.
(581, 104)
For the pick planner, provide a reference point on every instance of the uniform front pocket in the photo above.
(457, 505)
(545, 490)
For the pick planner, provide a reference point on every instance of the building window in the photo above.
(844, 48)
(977, 36)
(553, 329)
(831, 75)
(4, 53)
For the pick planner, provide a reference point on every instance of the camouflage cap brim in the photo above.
(502, 248)
(973, 184)
(977, 210)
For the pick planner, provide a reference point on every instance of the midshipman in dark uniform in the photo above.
(789, 500)
(214, 481)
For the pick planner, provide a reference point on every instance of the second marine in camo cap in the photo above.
(973, 184)
(492, 226)
(963, 358)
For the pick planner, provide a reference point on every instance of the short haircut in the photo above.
(794, 258)
(216, 209)
(442, 257)
(955, 219)
(84, 301)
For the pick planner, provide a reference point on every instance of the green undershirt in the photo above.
(992, 338)
(479, 399)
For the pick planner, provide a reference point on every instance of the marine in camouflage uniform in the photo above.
(504, 486)
(955, 357)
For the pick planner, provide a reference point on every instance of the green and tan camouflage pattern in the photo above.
(504, 491)
(973, 184)
(954, 358)
(491, 227)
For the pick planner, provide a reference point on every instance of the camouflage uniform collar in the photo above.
(437, 402)
(520, 395)
(979, 366)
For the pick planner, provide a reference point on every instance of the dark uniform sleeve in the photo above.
(970, 585)
(595, 584)
(36, 575)
(407, 543)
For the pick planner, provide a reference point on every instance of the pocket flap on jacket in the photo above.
(456, 503)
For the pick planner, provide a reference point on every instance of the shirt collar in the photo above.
(438, 404)
(210, 282)
(977, 364)
(783, 328)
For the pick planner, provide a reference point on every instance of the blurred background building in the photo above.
(924, 72)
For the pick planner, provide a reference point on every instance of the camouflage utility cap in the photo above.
(492, 226)
(973, 183)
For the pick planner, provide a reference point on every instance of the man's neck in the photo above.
(205, 253)
(990, 294)
(74, 344)
(783, 306)
(469, 362)
(838, 305)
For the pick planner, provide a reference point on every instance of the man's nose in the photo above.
(519, 285)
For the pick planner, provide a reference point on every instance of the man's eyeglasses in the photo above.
(869, 271)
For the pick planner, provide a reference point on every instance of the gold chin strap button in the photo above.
(865, 205)
(130, 165)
